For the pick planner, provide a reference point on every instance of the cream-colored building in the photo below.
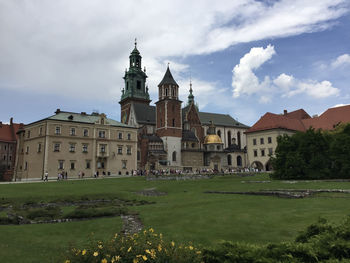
(75, 143)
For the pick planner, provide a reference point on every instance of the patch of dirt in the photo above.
(131, 224)
(283, 193)
(151, 192)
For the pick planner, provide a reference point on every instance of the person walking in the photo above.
(46, 178)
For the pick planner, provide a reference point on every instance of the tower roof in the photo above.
(168, 78)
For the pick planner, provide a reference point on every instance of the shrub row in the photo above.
(320, 242)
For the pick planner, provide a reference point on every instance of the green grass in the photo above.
(185, 214)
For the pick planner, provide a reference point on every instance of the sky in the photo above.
(244, 57)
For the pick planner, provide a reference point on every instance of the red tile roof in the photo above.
(8, 131)
(275, 121)
(299, 120)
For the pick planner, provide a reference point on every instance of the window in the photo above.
(72, 165)
(10, 158)
(229, 159)
(120, 149)
(120, 136)
(72, 147)
(102, 134)
(60, 164)
(193, 145)
(129, 136)
(100, 165)
(86, 132)
(128, 150)
(269, 140)
(103, 148)
(39, 147)
(4, 158)
(124, 164)
(85, 148)
(173, 122)
(88, 164)
(173, 91)
(138, 155)
(166, 92)
(40, 131)
(58, 130)
(270, 151)
(56, 147)
(28, 134)
(138, 84)
(262, 152)
(254, 141)
(255, 153)
(219, 133)
(27, 150)
(174, 156)
(72, 131)
(261, 140)
(25, 166)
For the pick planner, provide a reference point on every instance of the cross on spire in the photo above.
(135, 42)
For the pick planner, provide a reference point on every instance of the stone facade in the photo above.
(76, 143)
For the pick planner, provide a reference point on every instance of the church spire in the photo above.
(190, 97)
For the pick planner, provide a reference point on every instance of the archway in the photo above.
(268, 166)
(258, 165)
(239, 161)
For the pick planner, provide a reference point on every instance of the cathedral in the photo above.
(173, 136)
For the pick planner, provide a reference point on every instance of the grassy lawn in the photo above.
(185, 214)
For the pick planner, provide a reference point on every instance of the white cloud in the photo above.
(80, 48)
(244, 81)
(341, 61)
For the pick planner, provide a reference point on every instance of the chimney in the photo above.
(11, 121)
(284, 112)
(58, 111)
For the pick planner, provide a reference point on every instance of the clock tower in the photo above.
(135, 89)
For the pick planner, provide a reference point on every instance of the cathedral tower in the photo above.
(135, 89)
(168, 118)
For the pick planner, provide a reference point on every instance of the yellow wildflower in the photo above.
(151, 230)
(159, 247)
(172, 243)
(190, 247)
(116, 258)
(135, 260)
(67, 261)
(198, 252)
(161, 235)
(83, 252)
(95, 254)
(104, 260)
(100, 246)
(144, 257)
(129, 249)
(149, 243)
(77, 252)
(115, 235)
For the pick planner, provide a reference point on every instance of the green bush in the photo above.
(90, 212)
(49, 212)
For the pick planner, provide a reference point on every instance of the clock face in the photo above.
(124, 117)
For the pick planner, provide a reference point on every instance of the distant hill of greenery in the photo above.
(313, 154)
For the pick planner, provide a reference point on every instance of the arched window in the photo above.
(229, 159)
(173, 122)
(174, 156)
(239, 160)
(194, 131)
(166, 92)
(173, 90)
(219, 133)
(229, 138)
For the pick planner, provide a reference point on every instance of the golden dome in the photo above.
(212, 138)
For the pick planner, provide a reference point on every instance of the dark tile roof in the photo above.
(189, 136)
(168, 78)
(219, 120)
(145, 114)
